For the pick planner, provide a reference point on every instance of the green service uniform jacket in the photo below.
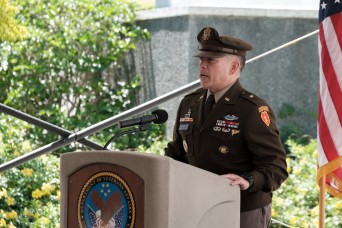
(239, 136)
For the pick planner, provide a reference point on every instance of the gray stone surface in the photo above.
(288, 76)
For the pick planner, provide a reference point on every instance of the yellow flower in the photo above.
(2, 222)
(279, 201)
(3, 193)
(26, 146)
(48, 188)
(314, 211)
(45, 220)
(11, 225)
(16, 153)
(338, 204)
(59, 195)
(27, 172)
(12, 214)
(315, 222)
(304, 225)
(9, 28)
(10, 201)
(292, 220)
(296, 171)
(36, 215)
(27, 212)
(37, 194)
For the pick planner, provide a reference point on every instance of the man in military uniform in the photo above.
(227, 130)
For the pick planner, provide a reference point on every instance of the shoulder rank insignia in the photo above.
(263, 110)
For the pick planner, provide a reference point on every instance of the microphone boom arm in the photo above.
(143, 127)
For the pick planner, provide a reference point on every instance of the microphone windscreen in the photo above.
(162, 116)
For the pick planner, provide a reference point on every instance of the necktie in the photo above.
(209, 104)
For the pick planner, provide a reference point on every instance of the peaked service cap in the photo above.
(212, 45)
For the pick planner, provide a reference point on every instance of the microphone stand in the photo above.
(142, 127)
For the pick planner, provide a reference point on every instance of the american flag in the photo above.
(329, 128)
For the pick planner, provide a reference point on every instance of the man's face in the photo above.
(217, 73)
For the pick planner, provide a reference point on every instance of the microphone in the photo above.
(158, 116)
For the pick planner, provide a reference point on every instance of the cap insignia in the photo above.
(206, 34)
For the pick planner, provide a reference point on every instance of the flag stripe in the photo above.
(337, 21)
(322, 159)
(328, 68)
(329, 123)
(327, 111)
(331, 34)
(324, 133)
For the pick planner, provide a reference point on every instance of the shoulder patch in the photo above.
(263, 110)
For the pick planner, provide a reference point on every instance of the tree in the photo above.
(9, 28)
(66, 70)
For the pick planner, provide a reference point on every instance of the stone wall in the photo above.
(287, 79)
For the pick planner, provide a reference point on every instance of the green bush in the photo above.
(296, 202)
(67, 72)
(29, 194)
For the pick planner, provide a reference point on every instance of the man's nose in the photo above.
(203, 64)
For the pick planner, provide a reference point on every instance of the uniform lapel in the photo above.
(223, 106)
(197, 108)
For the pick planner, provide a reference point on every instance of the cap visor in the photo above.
(209, 54)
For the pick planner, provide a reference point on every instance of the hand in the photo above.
(237, 180)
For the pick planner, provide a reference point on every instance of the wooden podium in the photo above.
(133, 189)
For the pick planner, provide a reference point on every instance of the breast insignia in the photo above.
(185, 146)
(223, 149)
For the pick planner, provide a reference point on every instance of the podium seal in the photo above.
(106, 201)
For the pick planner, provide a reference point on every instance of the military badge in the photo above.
(263, 110)
(186, 118)
(230, 117)
(265, 117)
(226, 129)
(206, 34)
(223, 149)
(217, 128)
(185, 146)
(234, 132)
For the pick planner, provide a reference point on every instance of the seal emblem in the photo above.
(106, 201)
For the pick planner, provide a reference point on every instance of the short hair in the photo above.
(241, 59)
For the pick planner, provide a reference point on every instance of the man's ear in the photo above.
(234, 67)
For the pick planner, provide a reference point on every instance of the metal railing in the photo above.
(70, 137)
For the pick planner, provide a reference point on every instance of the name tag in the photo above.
(183, 127)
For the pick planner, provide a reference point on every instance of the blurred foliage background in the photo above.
(60, 61)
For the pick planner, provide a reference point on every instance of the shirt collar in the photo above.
(219, 94)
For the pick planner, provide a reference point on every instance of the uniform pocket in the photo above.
(227, 144)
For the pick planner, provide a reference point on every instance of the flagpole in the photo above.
(322, 202)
